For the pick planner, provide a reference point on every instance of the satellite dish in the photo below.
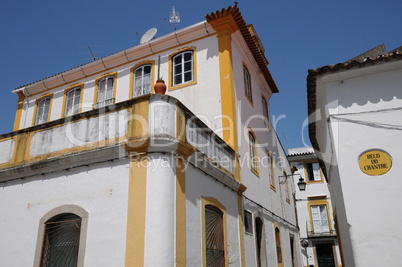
(148, 35)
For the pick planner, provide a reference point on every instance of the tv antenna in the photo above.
(92, 53)
(174, 17)
(148, 36)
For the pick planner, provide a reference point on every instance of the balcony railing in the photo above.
(103, 104)
(319, 231)
(159, 121)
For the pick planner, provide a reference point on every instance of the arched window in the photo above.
(61, 241)
(247, 84)
(73, 100)
(278, 245)
(214, 236)
(105, 91)
(62, 237)
(142, 80)
(183, 68)
(42, 110)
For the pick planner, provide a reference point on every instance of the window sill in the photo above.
(182, 85)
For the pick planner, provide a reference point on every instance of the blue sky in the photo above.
(40, 38)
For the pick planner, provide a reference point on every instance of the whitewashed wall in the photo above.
(199, 184)
(100, 189)
(370, 219)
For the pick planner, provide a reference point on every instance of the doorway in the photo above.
(325, 255)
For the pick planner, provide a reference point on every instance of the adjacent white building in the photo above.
(314, 211)
(355, 126)
(99, 171)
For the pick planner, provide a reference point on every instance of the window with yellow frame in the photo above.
(247, 84)
(105, 90)
(313, 172)
(214, 228)
(278, 244)
(183, 68)
(287, 194)
(271, 172)
(43, 108)
(265, 110)
(72, 100)
(253, 152)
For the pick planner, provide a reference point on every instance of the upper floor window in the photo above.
(278, 245)
(270, 165)
(265, 111)
(105, 91)
(42, 110)
(214, 236)
(183, 68)
(313, 172)
(319, 216)
(61, 241)
(73, 100)
(248, 222)
(142, 80)
(287, 195)
(253, 152)
(247, 84)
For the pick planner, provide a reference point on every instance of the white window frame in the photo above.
(320, 219)
(43, 110)
(143, 90)
(74, 95)
(182, 73)
(315, 170)
(108, 95)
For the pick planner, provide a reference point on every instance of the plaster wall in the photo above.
(367, 117)
(200, 185)
(101, 189)
(6, 150)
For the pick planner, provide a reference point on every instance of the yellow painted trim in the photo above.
(65, 96)
(318, 202)
(256, 172)
(273, 184)
(125, 63)
(214, 202)
(180, 212)
(224, 27)
(268, 114)
(114, 74)
(306, 175)
(17, 121)
(136, 213)
(338, 235)
(241, 228)
(244, 84)
(287, 191)
(194, 81)
(276, 225)
(145, 62)
(36, 105)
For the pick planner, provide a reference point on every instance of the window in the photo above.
(142, 80)
(247, 84)
(313, 172)
(105, 91)
(248, 222)
(183, 68)
(319, 218)
(42, 110)
(61, 241)
(214, 236)
(278, 245)
(270, 165)
(73, 101)
(253, 152)
(292, 250)
(265, 111)
(286, 187)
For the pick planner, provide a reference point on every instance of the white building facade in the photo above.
(355, 129)
(99, 171)
(314, 211)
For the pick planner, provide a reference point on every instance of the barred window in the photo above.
(215, 247)
(61, 240)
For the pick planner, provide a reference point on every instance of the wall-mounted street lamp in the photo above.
(301, 184)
